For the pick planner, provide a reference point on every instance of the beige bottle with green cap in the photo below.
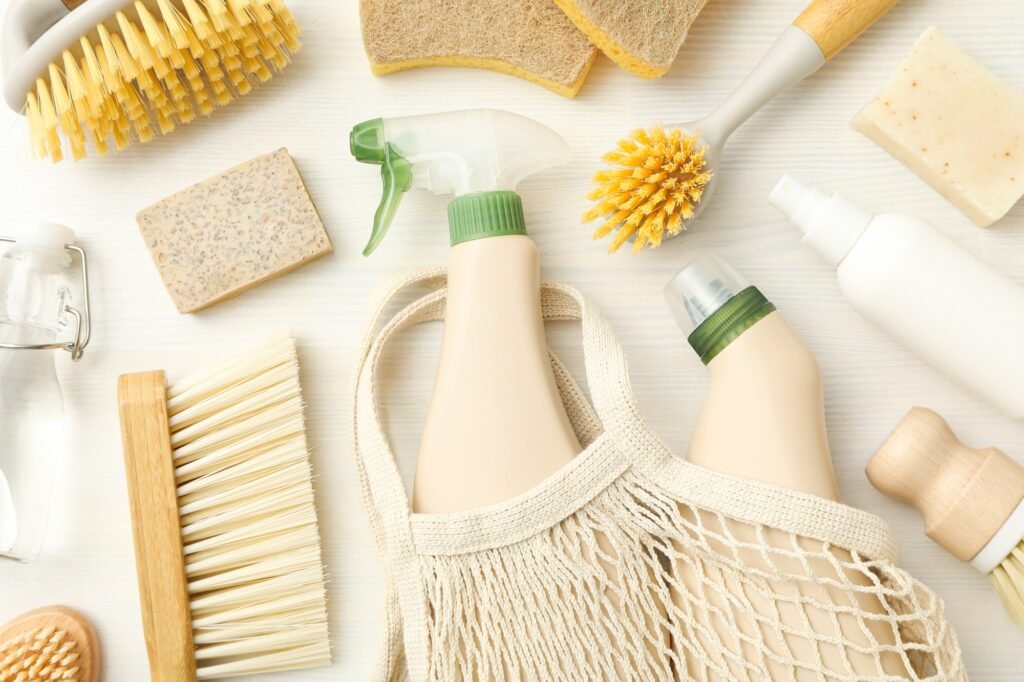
(766, 392)
(496, 425)
(764, 420)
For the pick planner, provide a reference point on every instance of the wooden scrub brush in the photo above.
(52, 643)
(115, 72)
(226, 541)
(972, 500)
(659, 181)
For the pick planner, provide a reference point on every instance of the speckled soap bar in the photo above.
(954, 123)
(227, 234)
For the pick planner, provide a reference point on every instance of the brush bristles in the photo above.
(655, 182)
(155, 66)
(248, 521)
(45, 653)
(1008, 579)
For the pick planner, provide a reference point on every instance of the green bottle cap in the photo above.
(485, 214)
(725, 325)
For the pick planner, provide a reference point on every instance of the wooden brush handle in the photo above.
(72, 4)
(159, 556)
(964, 495)
(834, 24)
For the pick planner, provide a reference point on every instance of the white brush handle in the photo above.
(793, 57)
(36, 32)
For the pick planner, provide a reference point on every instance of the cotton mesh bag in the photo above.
(630, 563)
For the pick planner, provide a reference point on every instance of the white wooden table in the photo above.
(870, 381)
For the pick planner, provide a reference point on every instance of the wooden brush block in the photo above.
(238, 229)
(152, 497)
(965, 495)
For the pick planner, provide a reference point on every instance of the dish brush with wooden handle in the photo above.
(972, 500)
(226, 541)
(659, 180)
(115, 72)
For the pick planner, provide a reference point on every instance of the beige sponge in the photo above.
(530, 39)
(227, 234)
(641, 36)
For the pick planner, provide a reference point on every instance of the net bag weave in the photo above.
(630, 563)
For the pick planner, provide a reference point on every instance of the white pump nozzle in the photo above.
(831, 225)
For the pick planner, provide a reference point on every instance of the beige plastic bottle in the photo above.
(763, 377)
(496, 426)
(764, 420)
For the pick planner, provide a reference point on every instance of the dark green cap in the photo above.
(714, 304)
(725, 325)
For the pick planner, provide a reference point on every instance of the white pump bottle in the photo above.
(936, 298)
(496, 426)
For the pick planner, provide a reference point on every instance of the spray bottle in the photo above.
(496, 425)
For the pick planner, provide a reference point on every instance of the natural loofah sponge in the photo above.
(641, 36)
(236, 230)
(530, 39)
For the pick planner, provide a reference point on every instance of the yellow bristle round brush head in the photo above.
(654, 183)
(115, 72)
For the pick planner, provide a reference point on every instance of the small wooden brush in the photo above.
(972, 500)
(52, 643)
(226, 540)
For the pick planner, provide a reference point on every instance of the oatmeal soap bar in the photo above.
(238, 229)
(954, 123)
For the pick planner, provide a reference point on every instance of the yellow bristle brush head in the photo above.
(112, 72)
(652, 187)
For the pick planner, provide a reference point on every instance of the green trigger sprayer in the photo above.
(477, 155)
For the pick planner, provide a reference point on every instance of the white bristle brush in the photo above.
(226, 540)
(972, 500)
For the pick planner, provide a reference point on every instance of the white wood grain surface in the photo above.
(871, 381)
